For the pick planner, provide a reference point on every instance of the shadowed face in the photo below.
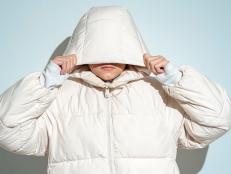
(107, 71)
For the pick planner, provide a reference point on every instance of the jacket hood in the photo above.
(107, 34)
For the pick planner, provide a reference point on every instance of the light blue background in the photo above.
(185, 32)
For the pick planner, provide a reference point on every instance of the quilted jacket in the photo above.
(132, 125)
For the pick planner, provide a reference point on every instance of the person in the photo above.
(108, 106)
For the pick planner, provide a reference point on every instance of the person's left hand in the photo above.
(155, 64)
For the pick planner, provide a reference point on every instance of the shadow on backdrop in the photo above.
(189, 161)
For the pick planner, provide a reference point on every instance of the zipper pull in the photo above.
(106, 92)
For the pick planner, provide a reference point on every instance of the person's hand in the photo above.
(163, 70)
(66, 63)
(58, 70)
(155, 64)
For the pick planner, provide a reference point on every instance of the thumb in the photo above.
(145, 56)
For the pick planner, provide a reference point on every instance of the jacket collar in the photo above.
(132, 73)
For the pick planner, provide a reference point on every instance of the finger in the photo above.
(75, 59)
(152, 64)
(160, 66)
(58, 62)
(68, 65)
(64, 67)
(146, 58)
(72, 61)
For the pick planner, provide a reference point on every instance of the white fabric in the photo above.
(132, 125)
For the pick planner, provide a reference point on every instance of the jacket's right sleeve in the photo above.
(23, 120)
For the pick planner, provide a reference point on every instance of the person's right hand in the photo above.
(66, 63)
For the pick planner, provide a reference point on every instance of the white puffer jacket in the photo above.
(130, 126)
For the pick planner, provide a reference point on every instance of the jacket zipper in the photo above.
(109, 126)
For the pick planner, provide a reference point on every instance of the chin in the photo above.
(107, 78)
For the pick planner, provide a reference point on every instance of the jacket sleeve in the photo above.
(204, 106)
(24, 116)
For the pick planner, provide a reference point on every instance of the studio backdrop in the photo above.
(197, 33)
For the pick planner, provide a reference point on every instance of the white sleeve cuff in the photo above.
(171, 75)
(51, 77)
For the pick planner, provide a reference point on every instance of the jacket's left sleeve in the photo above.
(206, 108)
